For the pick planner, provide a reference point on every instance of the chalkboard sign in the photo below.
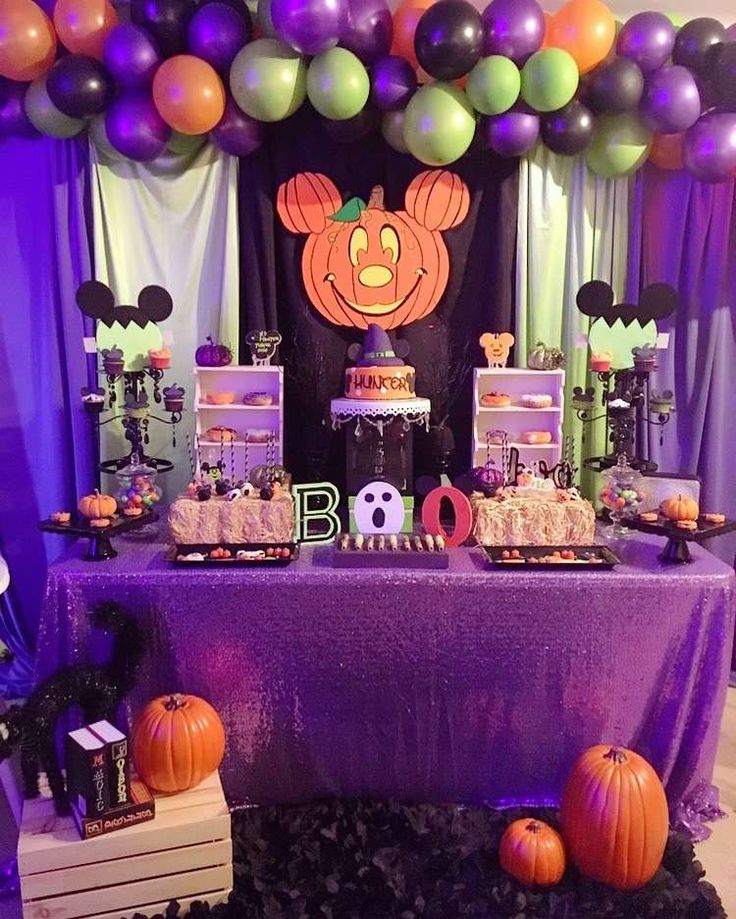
(263, 345)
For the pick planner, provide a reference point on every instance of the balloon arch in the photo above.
(432, 74)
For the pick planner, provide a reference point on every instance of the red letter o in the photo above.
(461, 508)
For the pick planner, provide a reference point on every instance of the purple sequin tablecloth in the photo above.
(460, 685)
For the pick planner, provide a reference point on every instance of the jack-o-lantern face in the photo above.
(363, 264)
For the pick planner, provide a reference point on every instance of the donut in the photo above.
(257, 398)
(495, 400)
(535, 400)
(495, 437)
(535, 437)
(220, 434)
(714, 518)
(220, 398)
(687, 524)
(258, 437)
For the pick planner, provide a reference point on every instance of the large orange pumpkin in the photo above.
(614, 817)
(96, 506)
(178, 740)
(682, 507)
(533, 853)
(363, 264)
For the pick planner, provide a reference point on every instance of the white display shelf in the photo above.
(518, 409)
(234, 407)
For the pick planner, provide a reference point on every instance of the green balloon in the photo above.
(338, 84)
(677, 19)
(45, 116)
(98, 136)
(549, 80)
(392, 128)
(620, 146)
(493, 85)
(186, 144)
(268, 80)
(439, 124)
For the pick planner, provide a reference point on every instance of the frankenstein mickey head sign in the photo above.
(363, 264)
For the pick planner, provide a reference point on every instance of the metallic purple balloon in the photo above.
(131, 56)
(369, 29)
(166, 20)
(724, 76)
(78, 86)
(13, 119)
(393, 83)
(237, 133)
(309, 26)
(647, 39)
(216, 34)
(671, 101)
(710, 148)
(135, 128)
(513, 28)
(512, 134)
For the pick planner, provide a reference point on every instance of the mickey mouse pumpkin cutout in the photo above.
(363, 264)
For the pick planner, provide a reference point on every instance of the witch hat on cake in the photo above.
(377, 350)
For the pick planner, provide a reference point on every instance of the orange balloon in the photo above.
(27, 40)
(666, 151)
(406, 18)
(548, 17)
(586, 29)
(83, 25)
(188, 94)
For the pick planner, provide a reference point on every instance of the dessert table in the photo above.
(461, 685)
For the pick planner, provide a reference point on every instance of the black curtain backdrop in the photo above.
(443, 346)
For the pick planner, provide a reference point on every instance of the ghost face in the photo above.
(379, 508)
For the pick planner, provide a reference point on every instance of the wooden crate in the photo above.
(184, 854)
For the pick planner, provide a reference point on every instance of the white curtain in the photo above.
(572, 228)
(172, 223)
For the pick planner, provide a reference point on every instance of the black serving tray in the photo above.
(425, 560)
(207, 562)
(608, 559)
(100, 547)
(676, 549)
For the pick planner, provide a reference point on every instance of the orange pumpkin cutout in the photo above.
(363, 264)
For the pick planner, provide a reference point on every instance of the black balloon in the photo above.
(614, 88)
(449, 38)
(724, 75)
(166, 20)
(78, 86)
(568, 131)
(697, 44)
(355, 128)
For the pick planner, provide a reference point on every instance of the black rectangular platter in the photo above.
(608, 559)
(438, 560)
(234, 562)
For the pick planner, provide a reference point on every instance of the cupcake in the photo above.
(160, 358)
(618, 407)
(645, 358)
(135, 408)
(174, 398)
(601, 362)
(661, 403)
(112, 361)
(582, 401)
(93, 400)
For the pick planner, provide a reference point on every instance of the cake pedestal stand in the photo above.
(100, 548)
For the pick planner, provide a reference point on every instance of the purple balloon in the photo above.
(78, 86)
(355, 128)
(131, 55)
(166, 20)
(647, 39)
(217, 33)
(513, 28)
(393, 83)
(238, 5)
(731, 32)
(369, 29)
(697, 42)
(309, 26)
(671, 101)
(512, 134)
(710, 148)
(135, 128)
(237, 133)
(13, 118)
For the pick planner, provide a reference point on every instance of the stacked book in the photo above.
(102, 795)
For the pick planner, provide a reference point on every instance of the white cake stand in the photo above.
(377, 413)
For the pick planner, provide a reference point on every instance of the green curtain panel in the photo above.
(572, 228)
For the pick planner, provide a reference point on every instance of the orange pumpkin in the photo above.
(682, 507)
(178, 740)
(533, 853)
(363, 264)
(97, 506)
(614, 817)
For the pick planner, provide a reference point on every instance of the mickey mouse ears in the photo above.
(95, 299)
(596, 299)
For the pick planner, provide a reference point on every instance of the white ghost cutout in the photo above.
(379, 508)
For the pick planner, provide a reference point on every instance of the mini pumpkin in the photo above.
(213, 355)
(533, 853)
(680, 507)
(364, 264)
(614, 817)
(97, 506)
(178, 740)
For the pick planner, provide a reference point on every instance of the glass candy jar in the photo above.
(137, 492)
(623, 494)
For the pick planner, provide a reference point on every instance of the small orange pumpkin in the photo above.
(681, 507)
(178, 740)
(97, 506)
(614, 817)
(533, 853)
